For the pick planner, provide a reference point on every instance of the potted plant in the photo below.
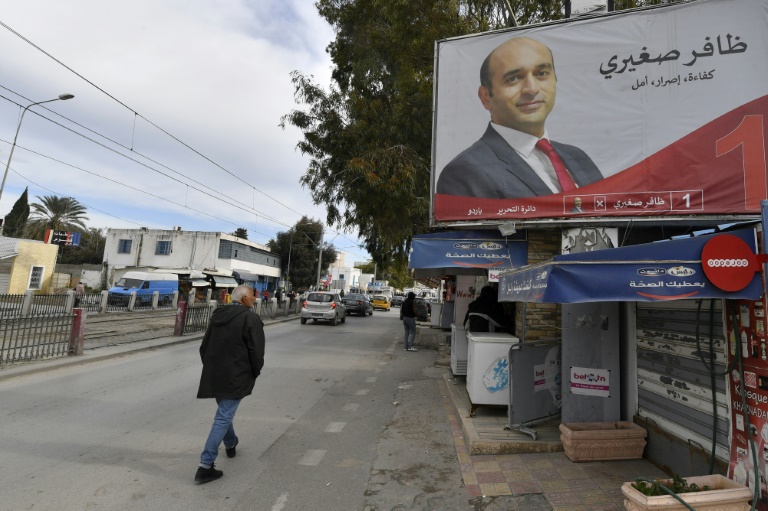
(702, 493)
(602, 441)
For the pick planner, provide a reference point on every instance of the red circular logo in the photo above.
(728, 262)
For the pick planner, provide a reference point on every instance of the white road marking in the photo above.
(362, 392)
(312, 457)
(335, 427)
(371, 379)
(280, 502)
(351, 407)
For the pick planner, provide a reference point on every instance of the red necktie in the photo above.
(565, 179)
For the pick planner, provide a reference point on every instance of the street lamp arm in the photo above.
(62, 97)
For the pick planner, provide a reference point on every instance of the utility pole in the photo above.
(290, 249)
(319, 258)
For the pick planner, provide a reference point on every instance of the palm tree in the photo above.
(57, 213)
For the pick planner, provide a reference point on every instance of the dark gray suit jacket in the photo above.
(490, 168)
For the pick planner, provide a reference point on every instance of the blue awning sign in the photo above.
(668, 270)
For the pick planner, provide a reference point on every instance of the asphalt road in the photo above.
(341, 419)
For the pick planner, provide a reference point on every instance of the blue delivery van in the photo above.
(144, 284)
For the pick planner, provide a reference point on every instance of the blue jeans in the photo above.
(410, 331)
(222, 429)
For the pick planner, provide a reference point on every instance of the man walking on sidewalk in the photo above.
(233, 355)
(408, 315)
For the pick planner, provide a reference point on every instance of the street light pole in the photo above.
(62, 97)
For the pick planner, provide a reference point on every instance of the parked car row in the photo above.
(331, 307)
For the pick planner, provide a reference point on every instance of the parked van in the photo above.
(144, 284)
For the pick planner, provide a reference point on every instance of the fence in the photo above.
(36, 337)
(196, 319)
(44, 305)
(90, 302)
(11, 305)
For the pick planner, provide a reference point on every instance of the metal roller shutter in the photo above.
(674, 386)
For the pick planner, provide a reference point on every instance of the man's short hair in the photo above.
(240, 292)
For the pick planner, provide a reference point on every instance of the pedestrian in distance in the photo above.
(79, 292)
(408, 316)
(232, 352)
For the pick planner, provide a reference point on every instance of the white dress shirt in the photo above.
(525, 145)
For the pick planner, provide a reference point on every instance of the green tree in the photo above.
(241, 232)
(299, 245)
(57, 213)
(621, 5)
(15, 221)
(368, 133)
(90, 251)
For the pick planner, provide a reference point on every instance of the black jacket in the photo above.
(232, 353)
(406, 309)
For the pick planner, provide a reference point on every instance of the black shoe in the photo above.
(206, 475)
(231, 452)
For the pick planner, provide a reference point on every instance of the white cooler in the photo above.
(488, 368)
(458, 350)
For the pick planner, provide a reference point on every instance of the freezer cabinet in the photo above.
(488, 368)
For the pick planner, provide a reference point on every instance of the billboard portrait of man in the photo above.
(638, 109)
(514, 158)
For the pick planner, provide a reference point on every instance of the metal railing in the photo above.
(11, 306)
(90, 302)
(266, 310)
(165, 301)
(45, 305)
(35, 337)
(117, 302)
(197, 318)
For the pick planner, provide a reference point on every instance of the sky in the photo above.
(175, 120)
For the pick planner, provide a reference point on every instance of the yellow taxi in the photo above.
(380, 302)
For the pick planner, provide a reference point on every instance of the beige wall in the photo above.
(32, 253)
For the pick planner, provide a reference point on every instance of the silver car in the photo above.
(323, 305)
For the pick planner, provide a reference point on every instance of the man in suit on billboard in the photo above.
(514, 158)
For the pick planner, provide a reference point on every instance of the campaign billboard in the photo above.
(655, 112)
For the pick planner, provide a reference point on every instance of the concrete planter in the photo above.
(725, 495)
(602, 441)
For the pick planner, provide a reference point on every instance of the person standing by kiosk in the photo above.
(408, 316)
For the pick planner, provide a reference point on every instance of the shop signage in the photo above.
(728, 262)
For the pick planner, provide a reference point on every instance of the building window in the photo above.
(124, 246)
(36, 277)
(341, 276)
(163, 248)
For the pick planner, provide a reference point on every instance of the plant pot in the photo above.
(602, 441)
(725, 495)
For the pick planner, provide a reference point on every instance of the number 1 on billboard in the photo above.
(749, 135)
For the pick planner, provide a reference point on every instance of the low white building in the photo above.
(344, 277)
(134, 249)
